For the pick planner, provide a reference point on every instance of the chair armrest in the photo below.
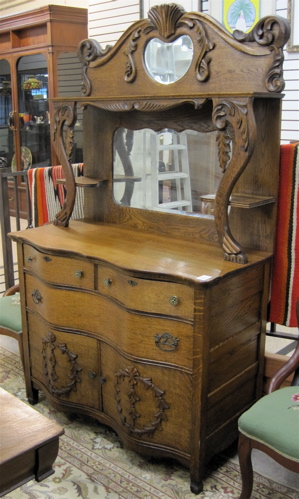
(12, 291)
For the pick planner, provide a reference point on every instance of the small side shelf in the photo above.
(83, 181)
(95, 182)
(125, 178)
(242, 200)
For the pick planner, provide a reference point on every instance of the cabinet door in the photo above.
(65, 363)
(149, 402)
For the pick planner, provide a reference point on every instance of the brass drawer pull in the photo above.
(102, 379)
(166, 342)
(107, 282)
(36, 297)
(29, 259)
(79, 273)
(92, 375)
(173, 300)
(47, 259)
(132, 283)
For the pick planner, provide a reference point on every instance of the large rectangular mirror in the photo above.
(166, 170)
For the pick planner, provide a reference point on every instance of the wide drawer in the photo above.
(142, 336)
(58, 269)
(157, 297)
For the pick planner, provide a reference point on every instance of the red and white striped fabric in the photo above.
(285, 275)
(47, 197)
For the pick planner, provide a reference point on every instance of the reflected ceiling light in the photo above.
(32, 83)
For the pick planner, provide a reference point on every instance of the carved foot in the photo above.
(32, 396)
(62, 218)
(196, 487)
(236, 258)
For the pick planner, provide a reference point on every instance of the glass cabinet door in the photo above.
(34, 123)
(6, 137)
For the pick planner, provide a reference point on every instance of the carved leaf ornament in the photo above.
(128, 386)
(50, 352)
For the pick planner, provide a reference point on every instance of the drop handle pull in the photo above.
(36, 297)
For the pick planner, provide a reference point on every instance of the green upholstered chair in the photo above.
(272, 424)
(10, 316)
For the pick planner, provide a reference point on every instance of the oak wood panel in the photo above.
(106, 320)
(28, 37)
(174, 387)
(65, 353)
(230, 399)
(232, 356)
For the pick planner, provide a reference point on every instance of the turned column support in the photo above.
(65, 117)
(234, 120)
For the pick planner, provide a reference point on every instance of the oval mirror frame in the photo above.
(167, 63)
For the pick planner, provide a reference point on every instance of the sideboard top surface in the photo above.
(137, 251)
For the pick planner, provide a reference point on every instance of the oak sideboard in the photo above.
(149, 314)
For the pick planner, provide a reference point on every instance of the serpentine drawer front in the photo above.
(58, 269)
(158, 297)
(148, 336)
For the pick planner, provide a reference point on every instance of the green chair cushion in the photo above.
(10, 313)
(274, 421)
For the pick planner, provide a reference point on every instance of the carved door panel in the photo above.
(148, 402)
(67, 364)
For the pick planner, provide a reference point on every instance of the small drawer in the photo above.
(157, 297)
(58, 269)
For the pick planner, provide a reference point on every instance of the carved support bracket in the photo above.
(62, 135)
(235, 122)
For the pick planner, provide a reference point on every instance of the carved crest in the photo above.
(130, 387)
(50, 352)
(165, 18)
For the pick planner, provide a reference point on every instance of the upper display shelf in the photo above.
(174, 52)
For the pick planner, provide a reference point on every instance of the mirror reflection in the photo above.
(6, 139)
(160, 170)
(168, 62)
(33, 111)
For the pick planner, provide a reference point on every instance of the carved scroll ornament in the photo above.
(51, 349)
(272, 32)
(62, 137)
(234, 120)
(127, 380)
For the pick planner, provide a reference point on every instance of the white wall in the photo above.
(290, 103)
(10, 7)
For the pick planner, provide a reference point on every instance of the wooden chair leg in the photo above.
(20, 341)
(244, 450)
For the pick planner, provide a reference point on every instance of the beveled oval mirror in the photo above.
(168, 62)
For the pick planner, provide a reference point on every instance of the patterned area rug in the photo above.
(93, 464)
